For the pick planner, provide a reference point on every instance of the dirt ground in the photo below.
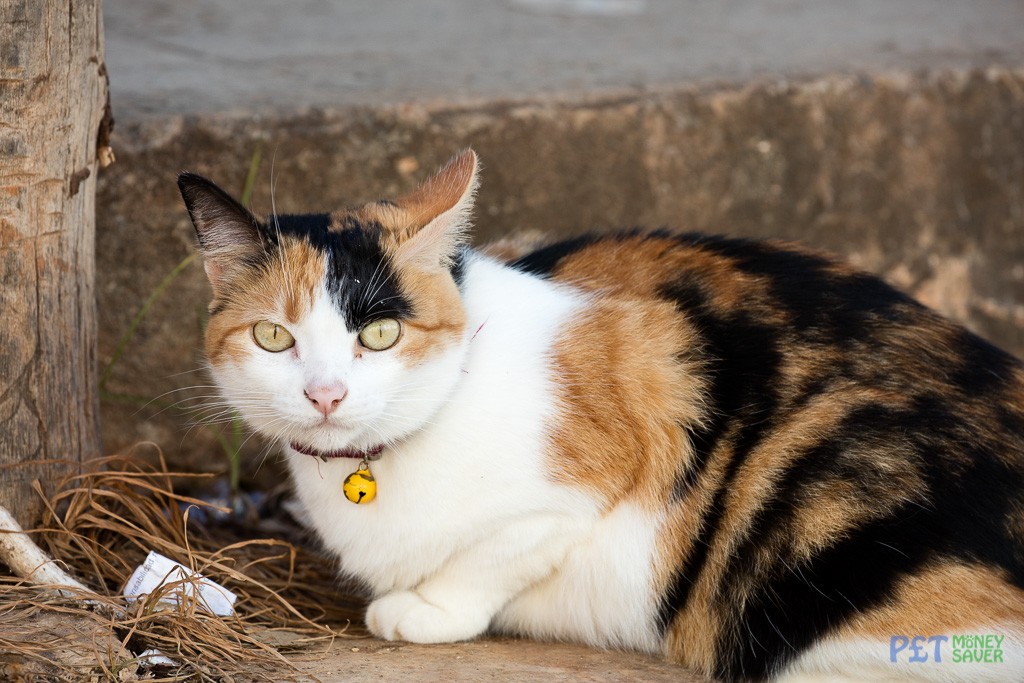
(78, 641)
(485, 660)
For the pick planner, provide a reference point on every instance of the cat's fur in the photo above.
(746, 456)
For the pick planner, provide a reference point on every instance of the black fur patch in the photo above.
(360, 278)
(983, 369)
(543, 261)
(458, 267)
(825, 306)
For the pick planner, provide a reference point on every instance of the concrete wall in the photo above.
(917, 177)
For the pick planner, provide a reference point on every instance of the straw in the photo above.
(101, 524)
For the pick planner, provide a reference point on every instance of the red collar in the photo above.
(358, 454)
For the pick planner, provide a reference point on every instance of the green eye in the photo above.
(380, 334)
(272, 337)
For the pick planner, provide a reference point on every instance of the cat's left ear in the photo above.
(229, 235)
(438, 214)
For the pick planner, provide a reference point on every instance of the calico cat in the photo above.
(745, 456)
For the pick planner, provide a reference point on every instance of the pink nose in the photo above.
(326, 399)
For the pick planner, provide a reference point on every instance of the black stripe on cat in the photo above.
(825, 304)
(744, 364)
(982, 368)
(543, 261)
(787, 605)
(785, 615)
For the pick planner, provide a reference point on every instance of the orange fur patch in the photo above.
(628, 389)
(943, 599)
(625, 395)
(281, 292)
(831, 507)
(638, 265)
(439, 320)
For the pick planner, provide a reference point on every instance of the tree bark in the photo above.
(53, 105)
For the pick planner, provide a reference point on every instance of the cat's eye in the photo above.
(380, 334)
(272, 337)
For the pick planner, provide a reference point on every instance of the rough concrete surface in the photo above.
(217, 55)
(918, 178)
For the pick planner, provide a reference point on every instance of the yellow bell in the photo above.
(360, 486)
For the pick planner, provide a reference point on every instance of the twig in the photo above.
(26, 560)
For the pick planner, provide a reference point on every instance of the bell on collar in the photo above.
(360, 486)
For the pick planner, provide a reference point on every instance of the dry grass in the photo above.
(102, 524)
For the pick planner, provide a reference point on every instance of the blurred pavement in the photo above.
(187, 56)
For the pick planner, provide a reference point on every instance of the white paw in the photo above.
(404, 615)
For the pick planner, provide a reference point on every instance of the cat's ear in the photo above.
(439, 213)
(229, 235)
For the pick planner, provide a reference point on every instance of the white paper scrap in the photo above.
(155, 658)
(158, 570)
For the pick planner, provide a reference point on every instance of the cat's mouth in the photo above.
(357, 453)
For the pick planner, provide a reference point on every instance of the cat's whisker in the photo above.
(277, 228)
(382, 436)
(364, 295)
(380, 302)
(427, 399)
(268, 448)
(237, 407)
(214, 424)
(232, 413)
(199, 387)
(233, 409)
(226, 416)
(173, 391)
(396, 418)
(218, 401)
(382, 284)
(193, 371)
(210, 399)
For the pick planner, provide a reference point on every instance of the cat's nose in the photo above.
(327, 398)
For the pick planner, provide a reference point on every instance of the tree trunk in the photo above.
(53, 104)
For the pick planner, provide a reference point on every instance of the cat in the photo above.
(745, 456)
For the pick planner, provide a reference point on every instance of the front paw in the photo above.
(404, 615)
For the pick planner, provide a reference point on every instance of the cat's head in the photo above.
(339, 332)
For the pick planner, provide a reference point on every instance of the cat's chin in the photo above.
(347, 452)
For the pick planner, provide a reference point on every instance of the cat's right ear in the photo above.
(229, 234)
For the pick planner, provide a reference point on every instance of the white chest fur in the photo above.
(467, 522)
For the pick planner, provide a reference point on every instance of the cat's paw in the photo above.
(404, 615)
